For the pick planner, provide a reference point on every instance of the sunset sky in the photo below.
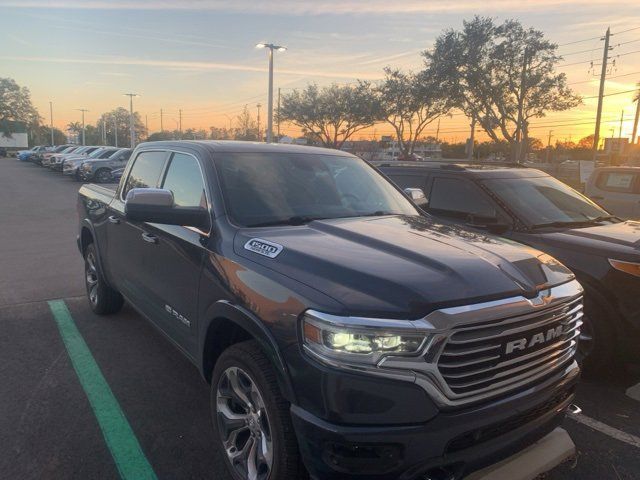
(199, 56)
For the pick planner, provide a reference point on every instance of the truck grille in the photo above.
(491, 355)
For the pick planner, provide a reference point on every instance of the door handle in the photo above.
(597, 197)
(148, 237)
(114, 220)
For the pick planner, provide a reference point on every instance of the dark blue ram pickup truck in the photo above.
(344, 333)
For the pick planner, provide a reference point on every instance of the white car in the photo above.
(617, 189)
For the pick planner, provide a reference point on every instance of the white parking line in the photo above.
(634, 392)
(606, 429)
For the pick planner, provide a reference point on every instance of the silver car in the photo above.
(617, 189)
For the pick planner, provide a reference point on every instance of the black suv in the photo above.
(533, 208)
(336, 324)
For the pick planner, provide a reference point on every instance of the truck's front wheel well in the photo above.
(221, 335)
(86, 238)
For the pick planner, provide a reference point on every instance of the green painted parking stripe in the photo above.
(129, 458)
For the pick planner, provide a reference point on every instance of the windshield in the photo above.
(69, 149)
(96, 153)
(545, 200)
(262, 189)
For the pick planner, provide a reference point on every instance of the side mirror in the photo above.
(156, 205)
(417, 195)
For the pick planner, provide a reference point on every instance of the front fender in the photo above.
(224, 310)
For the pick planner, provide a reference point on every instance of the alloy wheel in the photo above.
(103, 176)
(91, 278)
(243, 424)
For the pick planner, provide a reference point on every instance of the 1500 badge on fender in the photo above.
(263, 247)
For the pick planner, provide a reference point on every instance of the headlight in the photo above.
(361, 341)
(626, 267)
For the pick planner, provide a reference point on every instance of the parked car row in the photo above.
(93, 163)
(530, 207)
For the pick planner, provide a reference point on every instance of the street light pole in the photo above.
(132, 131)
(51, 117)
(271, 48)
(82, 110)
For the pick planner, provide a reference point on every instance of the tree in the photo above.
(586, 142)
(331, 114)
(502, 76)
(247, 127)
(158, 136)
(217, 133)
(16, 106)
(409, 102)
(117, 121)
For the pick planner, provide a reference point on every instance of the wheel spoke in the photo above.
(237, 389)
(252, 461)
(266, 451)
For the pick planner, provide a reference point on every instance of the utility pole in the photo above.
(635, 122)
(115, 128)
(51, 117)
(549, 145)
(146, 123)
(161, 124)
(82, 110)
(621, 120)
(471, 139)
(278, 113)
(438, 131)
(132, 131)
(603, 74)
(259, 136)
(180, 122)
(104, 132)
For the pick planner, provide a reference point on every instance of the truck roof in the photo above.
(228, 146)
(475, 170)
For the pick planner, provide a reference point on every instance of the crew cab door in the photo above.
(125, 244)
(172, 256)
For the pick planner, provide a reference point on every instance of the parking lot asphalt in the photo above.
(76, 392)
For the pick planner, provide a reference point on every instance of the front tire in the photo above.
(103, 299)
(251, 420)
(103, 176)
(597, 347)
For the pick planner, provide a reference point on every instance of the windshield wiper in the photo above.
(575, 223)
(295, 220)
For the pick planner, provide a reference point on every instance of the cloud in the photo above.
(298, 7)
(185, 65)
(115, 74)
(17, 39)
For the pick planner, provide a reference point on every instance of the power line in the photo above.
(608, 78)
(625, 31)
(612, 94)
(579, 41)
(576, 53)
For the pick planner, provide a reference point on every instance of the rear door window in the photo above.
(459, 198)
(146, 171)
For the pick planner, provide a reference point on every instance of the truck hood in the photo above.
(400, 266)
(623, 236)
